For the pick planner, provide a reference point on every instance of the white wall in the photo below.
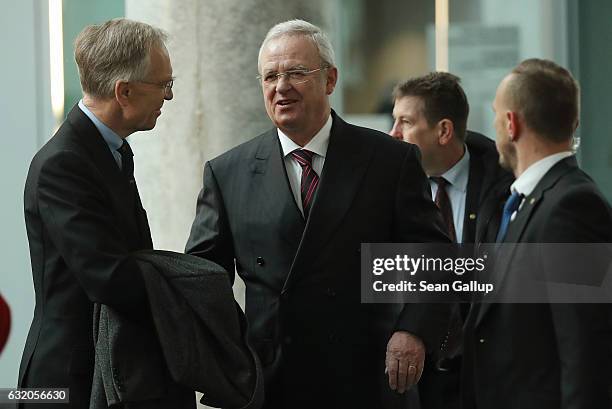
(25, 116)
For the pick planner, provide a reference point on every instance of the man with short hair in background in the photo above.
(82, 209)
(467, 184)
(550, 355)
(289, 210)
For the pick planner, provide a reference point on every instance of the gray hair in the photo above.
(303, 28)
(117, 50)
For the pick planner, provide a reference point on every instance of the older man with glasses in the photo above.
(82, 209)
(289, 210)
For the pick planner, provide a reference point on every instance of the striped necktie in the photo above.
(310, 179)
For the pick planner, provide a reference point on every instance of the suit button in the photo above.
(331, 292)
(481, 340)
(333, 338)
(261, 261)
(287, 340)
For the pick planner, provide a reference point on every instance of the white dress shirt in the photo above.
(457, 178)
(318, 145)
(526, 183)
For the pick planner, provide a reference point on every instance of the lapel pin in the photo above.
(532, 201)
(472, 216)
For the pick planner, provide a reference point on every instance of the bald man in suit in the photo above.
(547, 355)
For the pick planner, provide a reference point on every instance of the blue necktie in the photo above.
(511, 206)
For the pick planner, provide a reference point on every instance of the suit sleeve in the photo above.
(583, 332)
(419, 221)
(210, 236)
(74, 210)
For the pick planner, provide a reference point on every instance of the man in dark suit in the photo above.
(82, 209)
(289, 210)
(466, 182)
(548, 355)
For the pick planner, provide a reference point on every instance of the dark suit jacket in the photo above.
(319, 345)
(545, 356)
(487, 189)
(196, 340)
(81, 223)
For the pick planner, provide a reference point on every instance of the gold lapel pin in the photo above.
(472, 216)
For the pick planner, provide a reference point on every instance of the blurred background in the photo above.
(218, 104)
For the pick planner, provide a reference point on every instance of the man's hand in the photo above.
(404, 360)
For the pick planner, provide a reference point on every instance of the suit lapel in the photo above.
(484, 189)
(271, 192)
(517, 227)
(504, 258)
(472, 199)
(345, 164)
(123, 200)
(143, 222)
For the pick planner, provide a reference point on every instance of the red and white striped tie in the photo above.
(310, 179)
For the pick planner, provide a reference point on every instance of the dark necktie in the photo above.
(310, 179)
(511, 206)
(127, 170)
(451, 345)
(127, 161)
(443, 202)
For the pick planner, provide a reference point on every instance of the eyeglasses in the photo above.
(166, 85)
(295, 77)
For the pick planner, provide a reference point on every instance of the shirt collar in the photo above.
(457, 176)
(113, 140)
(526, 183)
(318, 144)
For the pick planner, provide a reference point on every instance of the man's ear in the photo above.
(576, 124)
(446, 131)
(123, 92)
(332, 79)
(513, 125)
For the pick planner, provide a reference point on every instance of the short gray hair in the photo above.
(116, 50)
(303, 28)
